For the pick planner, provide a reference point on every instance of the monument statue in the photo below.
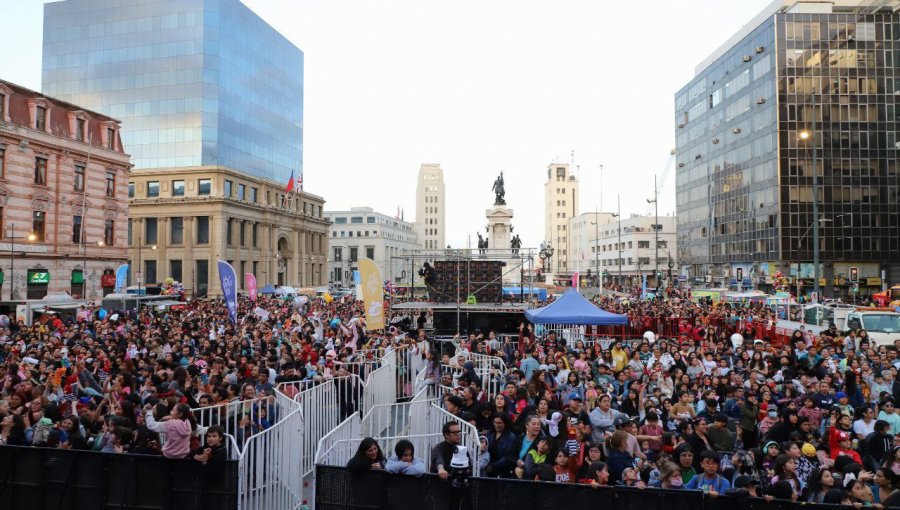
(499, 191)
(481, 243)
(515, 244)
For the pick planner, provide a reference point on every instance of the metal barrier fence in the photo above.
(348, 430)
(320, 411)
(337, 489)
(85, 480)
(241, 419)
(381, 390)
(270, 470)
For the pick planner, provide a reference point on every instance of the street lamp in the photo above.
(546, 254)
(12, 248)
(655, 203)
(807, 136)
(619, 216)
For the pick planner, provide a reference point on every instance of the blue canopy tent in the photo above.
(537, 292)
(268, 289)
(573, 308)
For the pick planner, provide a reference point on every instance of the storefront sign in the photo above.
(108, 280)
(873, 282)
(38, 277)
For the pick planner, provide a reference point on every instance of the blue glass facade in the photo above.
(194, 82)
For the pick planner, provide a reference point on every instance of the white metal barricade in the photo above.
(231, 416)
(339, 452)
(436, 419)
(381, 389)
(321, 413)
(269, 470)
(344, 434)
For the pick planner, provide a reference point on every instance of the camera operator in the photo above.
(442, 453)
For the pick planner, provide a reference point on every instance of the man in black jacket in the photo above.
(442, 453)
(878, 445)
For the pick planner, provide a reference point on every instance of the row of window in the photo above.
(38, 231)
(630, 245)
(354, 253)
(40, 175)
(176, 231)
(204, 188)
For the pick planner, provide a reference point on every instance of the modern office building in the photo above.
(802, 82)
(431, 204)
(362, 232)
(207, 91)
(636, 248)
(560, 205)
(63, 198)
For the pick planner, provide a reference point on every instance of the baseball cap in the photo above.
(843, 436)
(808, 450)
(769, 445)
(839, 395)
(622, 420)
(543, 368)
(744, 480)
(575, 396)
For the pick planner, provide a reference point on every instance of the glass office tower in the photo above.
(745, 174)
(194, 82)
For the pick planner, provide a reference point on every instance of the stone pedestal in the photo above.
(499, 227)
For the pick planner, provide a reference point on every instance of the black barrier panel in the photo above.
(46, 478)
(337, 489)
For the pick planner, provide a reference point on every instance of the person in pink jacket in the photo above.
(177, 427)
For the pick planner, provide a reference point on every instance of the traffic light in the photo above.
(854, 274)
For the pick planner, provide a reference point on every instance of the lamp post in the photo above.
(596, 246)
(809, 136)
(546, 254)
(655, 202)
(12, 259)
(619, 216)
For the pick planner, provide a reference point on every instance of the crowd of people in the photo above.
(714, 408)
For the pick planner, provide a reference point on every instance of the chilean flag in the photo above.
(290, 184)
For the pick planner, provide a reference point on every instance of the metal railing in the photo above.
(269, 470)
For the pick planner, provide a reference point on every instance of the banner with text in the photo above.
(228, 279)
(250, 282)
(373, 293)
(121, 277)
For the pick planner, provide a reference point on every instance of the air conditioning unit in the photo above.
(761, 100)
(851, 37)
(697, 156)
(715, 141)
(897, 145)
(760, 49)
(746, 58)
(680, 126)
(897, 92)
(681, 165)
(736, 130)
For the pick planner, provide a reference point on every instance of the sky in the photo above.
(478, 86)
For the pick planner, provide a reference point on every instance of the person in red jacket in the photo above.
(842, 425)
(845, 447)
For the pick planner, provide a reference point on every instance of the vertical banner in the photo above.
(575, 282)
(373, 293)
(250, 283)
(228, 279)
(121, 277)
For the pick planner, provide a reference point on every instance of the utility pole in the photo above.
(619, 215)
(596, 247)
(655, 203)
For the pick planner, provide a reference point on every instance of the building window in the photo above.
(254, 195)
(79, 177)
(354, 253)
(109, 233)
(176, 230)
(149, 272)
(76, 229)
(204, 187)
(356, 219)
(2, 159)
(111, 184)
(340, 220)
(38, 222)
(79, 130)
(338, 254)
(175, 270)
(150, 230)
(255, 267)
(202, 229)
(370, 252)
(152, 188)
(40, 171)
(228, 186)
(40, 118)
(243, 226)
(243, 272)
(2, 107)
(130, 190)
(242, 192)
(111, 139)
(177, 188)
(130, 224)
(255, 236)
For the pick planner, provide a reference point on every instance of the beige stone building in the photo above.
(63, 198)
(431, 205)
(183, 220)
(560, 205)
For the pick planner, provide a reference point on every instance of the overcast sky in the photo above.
(479, 87)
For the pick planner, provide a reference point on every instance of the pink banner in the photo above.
(250, 282)
(575, 281)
